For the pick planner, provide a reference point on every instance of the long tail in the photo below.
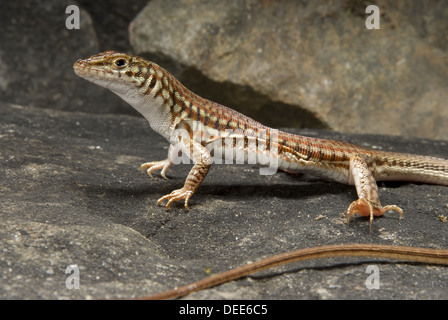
(411, 167)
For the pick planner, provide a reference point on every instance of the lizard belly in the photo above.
(333, 171)
(233, 153)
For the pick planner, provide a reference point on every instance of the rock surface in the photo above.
(72, 194)
(38, 52)
(309, 63)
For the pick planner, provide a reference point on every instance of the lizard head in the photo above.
(137, 81)
(121, 73)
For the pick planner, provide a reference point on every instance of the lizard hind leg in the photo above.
(364, 208)
(368, 203)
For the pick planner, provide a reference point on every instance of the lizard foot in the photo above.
(176, 195)
(150, 167)
(366, 209)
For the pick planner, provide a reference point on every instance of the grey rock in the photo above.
(308, 63)
(111, 20)
(38, 52)
(71, 193)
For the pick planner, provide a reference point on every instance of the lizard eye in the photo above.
(120, 63)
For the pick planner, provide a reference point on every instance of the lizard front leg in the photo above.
(152, 166)
(202, 161)
(163, 165)
(368, 203)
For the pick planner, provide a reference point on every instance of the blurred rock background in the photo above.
(297, 64)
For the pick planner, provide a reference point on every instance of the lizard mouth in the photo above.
(87, 71)
(80, 67)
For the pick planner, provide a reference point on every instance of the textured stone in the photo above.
(38, 52)
(308, 63)
(72, 194)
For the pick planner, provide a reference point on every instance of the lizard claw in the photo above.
(176, 195)
(150, 167)
(366, 209)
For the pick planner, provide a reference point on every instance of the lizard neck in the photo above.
(168, 105)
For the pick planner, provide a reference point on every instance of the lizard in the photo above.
(168, 106)
(209, 130)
